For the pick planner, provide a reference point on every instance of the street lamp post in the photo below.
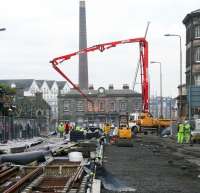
(2, 29)
(161, 97)
(180, 55)
(4, 137)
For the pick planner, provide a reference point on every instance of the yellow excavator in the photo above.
(125, 135)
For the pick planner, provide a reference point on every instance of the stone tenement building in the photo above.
(192, 24)
(49, 89)
(108, 105)
(28, 116)
(33, 115)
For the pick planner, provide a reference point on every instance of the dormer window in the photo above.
(197, 54)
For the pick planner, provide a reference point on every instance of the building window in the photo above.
(188, 57)
(187, 34)
(197, 80)
(54, 91)
(112, 106)
(32, 91)
(66, 106)
(45, 91)
(80, 106)
(197, 31)
(123, 106)
(101, 106)
(39, 113)
(89, 107)
(197, 54)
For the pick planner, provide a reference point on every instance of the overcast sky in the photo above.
(39, 30)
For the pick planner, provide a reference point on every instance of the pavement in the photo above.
(19, 144)
(190, 152)
(152, 165)
(33, 144)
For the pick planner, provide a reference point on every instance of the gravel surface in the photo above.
(149, 168)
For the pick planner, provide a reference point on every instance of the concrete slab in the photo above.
(96, 186)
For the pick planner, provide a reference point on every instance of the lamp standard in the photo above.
(4, 137)
(180, 53)
(161, 97)
(2, 29)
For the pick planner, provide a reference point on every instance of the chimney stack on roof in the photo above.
(125, 86)
(91, 87)
(111, 87)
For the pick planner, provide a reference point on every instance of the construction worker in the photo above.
(110, 134)
(106, 130)
(115, 134)
(187, 132)
(78, 128)
(67, 127)
(61, 129)
(180, 133)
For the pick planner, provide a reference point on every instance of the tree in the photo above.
(7, 90)
(6, 98)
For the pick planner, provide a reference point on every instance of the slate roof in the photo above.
(61, 84)
(20, 83)
(190, 15)
(26, 83)
(114, 92)
(39, 83)
(33, 100)
(196, 11)
(50, 83)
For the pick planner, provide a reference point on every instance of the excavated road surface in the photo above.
(149, 167)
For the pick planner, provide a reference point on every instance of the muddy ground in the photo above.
(148, 167)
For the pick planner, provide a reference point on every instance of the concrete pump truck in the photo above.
(144, 119)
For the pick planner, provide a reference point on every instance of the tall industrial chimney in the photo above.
(83, 60)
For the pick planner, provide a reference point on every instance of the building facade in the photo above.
(49, 89)
(192, 24)
(107, 105)
(24, 116)
(32, 116)
(182, 103)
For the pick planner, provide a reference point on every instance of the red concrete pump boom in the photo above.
(102, 47)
